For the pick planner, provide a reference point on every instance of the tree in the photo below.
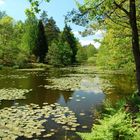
(59, 53)
(34, 6)
(66, 53)
(81, 54)
(10, 40)
(115, 52)
(98, 11)
(6, 39)
(44, 17)
(41, 43)
(51, 30)
(91, 50)
(68, 36)
(54, 55)
(30, 34)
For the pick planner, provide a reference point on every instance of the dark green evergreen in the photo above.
(41, 43)
(51, 30)
(68, 36)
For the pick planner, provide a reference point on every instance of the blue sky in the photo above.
(55, 8)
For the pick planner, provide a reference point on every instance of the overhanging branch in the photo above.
(121, 7)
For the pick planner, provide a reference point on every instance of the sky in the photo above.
(56, 9)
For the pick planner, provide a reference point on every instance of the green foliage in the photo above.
(81, 54)
(51, 30)
(116, 124)
(54, 56)
(86, 54)
(10, 39)
(112, 127)
(27, 42)
(115, 52)
(91, 51)
(34, 6)
(59, 54)
(68, 36)
(29, 36)
(41, 46)
(1, 66)
(91, 60)
(137, 123)
(66, 54)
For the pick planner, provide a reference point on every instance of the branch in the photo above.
(116, 22)
(89, 8)
(121, 7)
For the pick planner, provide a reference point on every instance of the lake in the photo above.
(56, 102)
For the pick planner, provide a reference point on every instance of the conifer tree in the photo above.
(41, 43)
(51, 30)
(68, 36)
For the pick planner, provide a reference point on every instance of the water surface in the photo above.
(112, 87)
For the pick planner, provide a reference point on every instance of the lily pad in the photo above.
(13, 93)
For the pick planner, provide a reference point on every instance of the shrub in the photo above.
(116, 124)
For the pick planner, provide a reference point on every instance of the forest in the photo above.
(39, 41)
(54, 88)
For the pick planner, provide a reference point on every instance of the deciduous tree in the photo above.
(97, 11)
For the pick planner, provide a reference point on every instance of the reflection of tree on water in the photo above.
(58, 72)
(67, 96)
(49, 96)
(117, 86)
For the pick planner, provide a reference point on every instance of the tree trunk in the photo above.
(135, 40)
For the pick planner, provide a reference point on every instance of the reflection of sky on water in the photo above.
(82, 100)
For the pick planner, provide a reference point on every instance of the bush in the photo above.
(115, 124)
(118, 126)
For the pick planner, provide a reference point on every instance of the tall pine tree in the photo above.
(68, 36)
(41, 43)
(52, 31)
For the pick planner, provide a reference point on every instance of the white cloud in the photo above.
(2, 2)
(99, 34)
(90, 39)
(87, 42)
(76, 33)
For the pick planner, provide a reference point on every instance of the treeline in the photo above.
(37, 41)
(87, 54)
(41, 41)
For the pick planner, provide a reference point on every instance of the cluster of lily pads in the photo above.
(13, 76)
(30, 120)
(74, 82)
(13, 93)
(64, 83)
